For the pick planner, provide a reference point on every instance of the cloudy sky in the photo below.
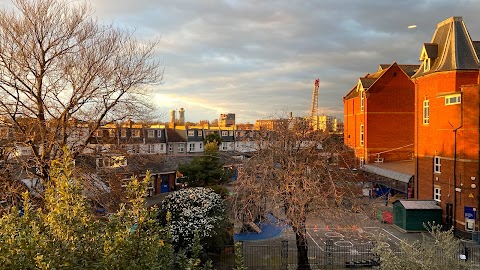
(260, 58)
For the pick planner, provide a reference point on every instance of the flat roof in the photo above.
(420, 204)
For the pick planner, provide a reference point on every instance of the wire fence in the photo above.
(328, 256)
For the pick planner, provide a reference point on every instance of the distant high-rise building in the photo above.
(181, 117)
(172, 118)
(322, 122)
(226, 120)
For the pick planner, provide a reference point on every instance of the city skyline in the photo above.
(260, 59)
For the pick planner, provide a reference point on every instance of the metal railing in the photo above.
(283, 256)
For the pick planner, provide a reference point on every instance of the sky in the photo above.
(259, 59)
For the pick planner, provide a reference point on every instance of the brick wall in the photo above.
(388, 118)
(438, 139)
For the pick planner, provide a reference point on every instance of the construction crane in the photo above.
(314, 109)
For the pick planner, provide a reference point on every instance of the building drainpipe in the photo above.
(415, 147)
(455, 167)
(478, 125)
(365, 151)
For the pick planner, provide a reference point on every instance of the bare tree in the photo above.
(61, 69)
(295, 173)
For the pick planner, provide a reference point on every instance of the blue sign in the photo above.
(470, 212)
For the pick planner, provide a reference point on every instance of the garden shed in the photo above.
(411, 215)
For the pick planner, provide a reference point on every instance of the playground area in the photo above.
(349, 238)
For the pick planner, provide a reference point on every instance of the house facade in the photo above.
(379, 115)
(195, 138)
(447, 124)
(228, 139)
(176, 141)
(245, 141)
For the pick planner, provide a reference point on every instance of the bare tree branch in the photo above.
(58, 65)
(296, 173)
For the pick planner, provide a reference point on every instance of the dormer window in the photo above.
(426, 64)
(429, 53)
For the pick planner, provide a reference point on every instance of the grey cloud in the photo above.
(256, 58)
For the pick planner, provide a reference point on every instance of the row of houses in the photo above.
(416, 127)
(158, 139)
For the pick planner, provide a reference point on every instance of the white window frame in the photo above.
(150, 148)
(362, 100)
(426, 112)
(99, 162)
(181, 148)
(134, 148)
(224, 146)
(191, 133)
(151, 133)
(426, 64)
(123, 133)
(230, 133)
(161, 147)
(111, 133)
(136, 133)
(437, 194)
(453, 99)
(191, 147)
(170, 148)
(200, 133)
(200, 145)
(224, 133)
(362, 135)
(437, 164)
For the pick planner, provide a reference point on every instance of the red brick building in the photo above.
(379, 115)
(447, 122)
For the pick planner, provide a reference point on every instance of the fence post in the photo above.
(284, 254)
(329, 253)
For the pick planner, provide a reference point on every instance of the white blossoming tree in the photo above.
(195, 210)
(64, 232)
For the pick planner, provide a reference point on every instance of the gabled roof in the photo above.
(410, 70)
(451, 48)
(383, 66)
(368, 80)
(351, 94)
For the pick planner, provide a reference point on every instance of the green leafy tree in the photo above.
(205, 170)
(65, 233)
(440, 250)
(239, 262)
(194, 262)
(213, 137)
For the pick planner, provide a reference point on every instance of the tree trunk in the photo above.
(302, 247)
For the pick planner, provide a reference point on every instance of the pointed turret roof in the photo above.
(451, 48)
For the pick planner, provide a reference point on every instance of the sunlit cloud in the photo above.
(259, 58)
